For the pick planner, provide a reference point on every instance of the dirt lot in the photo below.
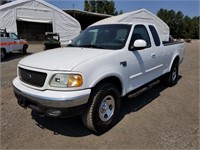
(159, 118)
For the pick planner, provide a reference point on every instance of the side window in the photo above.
(155, 35)
(140, 32)
(13, 36)
(2, 35)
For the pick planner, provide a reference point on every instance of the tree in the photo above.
(100, 6)
(86, 5)
(110, 7)
(169, 18)
(180, 26)
(195, 28)
(187, 27)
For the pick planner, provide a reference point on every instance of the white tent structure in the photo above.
(140, 16)
(39, 11)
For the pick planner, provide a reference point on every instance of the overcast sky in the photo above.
(188, 7)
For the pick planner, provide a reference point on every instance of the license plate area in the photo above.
(22, 101)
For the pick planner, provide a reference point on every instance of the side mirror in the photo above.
(140, 44)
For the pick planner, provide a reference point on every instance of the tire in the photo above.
(103, 109)
(24, 50)
(3, 54)
(171, 78)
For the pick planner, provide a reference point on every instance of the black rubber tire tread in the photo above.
(88, 116)
(3, 51)
(167, 79)
(24, 50)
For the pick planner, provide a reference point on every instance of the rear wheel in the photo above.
(3, 54)
(103, 108)
(171, 78)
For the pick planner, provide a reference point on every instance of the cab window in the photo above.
(140, 32)
(13, 36)
(155, 35)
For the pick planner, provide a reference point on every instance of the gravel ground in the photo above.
(157, 118)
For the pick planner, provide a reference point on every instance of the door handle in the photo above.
(153, 55)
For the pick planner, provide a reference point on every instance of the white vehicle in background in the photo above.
(10, 42)
(104, 63)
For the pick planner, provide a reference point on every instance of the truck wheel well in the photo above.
(176, 60)
(113, 80)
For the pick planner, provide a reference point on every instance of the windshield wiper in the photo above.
(91, 46)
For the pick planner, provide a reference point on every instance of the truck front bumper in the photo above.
(51, 103)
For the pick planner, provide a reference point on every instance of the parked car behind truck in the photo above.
(52, 40)
(10, 42)
(90, 76)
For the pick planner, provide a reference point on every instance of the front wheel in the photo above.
(3, 54)
(171, 78)
(103, 109)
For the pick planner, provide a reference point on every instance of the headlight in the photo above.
(66, 80)
(75, 80)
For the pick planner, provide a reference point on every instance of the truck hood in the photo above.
(62, 59)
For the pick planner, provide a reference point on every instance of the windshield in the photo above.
(103, 37)
(52, 37)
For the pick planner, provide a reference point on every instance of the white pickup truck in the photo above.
(10, 42)
(90, 76)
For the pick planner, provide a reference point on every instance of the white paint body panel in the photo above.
(15, 45)
(61, 59)
(142, 66)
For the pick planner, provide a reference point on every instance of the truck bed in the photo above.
(167, 43)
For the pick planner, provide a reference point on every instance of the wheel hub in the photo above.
(107, 107)
(174, 74)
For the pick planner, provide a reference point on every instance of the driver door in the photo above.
(141, 61)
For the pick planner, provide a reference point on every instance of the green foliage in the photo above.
(101, 6)
(195, 27)
(180, 26)
(86, 5)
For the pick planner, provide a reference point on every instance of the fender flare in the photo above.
(175, 58)
(106, 76)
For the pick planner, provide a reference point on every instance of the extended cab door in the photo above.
(141, 62)
(159, 51)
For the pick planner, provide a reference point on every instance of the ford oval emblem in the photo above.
(28, 76)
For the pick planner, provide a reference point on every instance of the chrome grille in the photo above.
(32, 77)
